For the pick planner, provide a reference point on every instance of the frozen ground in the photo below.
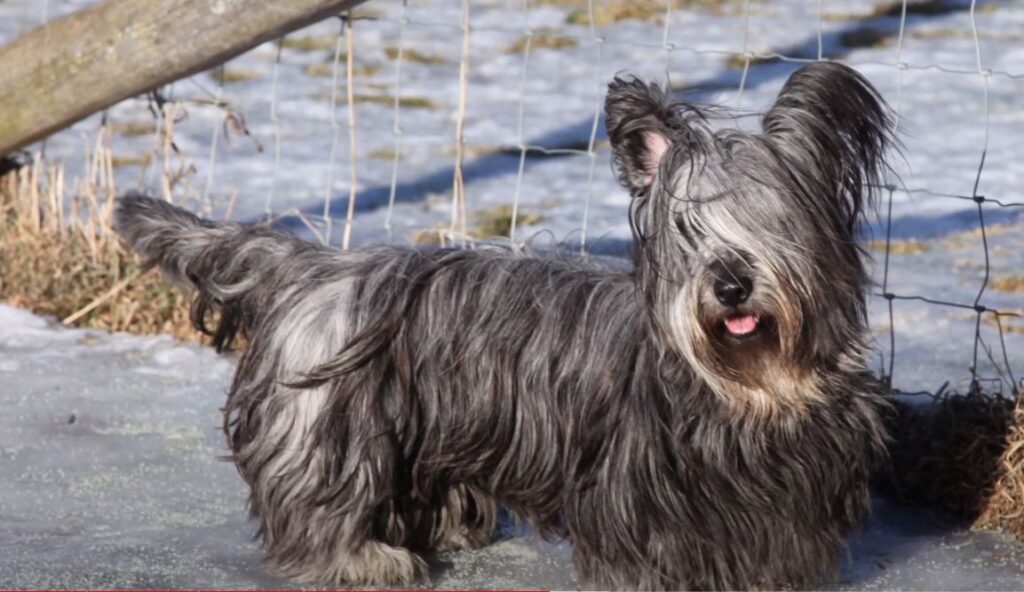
(108, 444)
(109, 449)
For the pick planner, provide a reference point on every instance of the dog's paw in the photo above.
(462, 538)
(372, 564)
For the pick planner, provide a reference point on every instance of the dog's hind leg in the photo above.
(465, 521)
(328, 518)
(333, 554)
(336, 525)
(320, 460)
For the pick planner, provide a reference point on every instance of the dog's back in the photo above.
(243, 271)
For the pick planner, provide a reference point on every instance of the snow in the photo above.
(109, 443)
(949, 113)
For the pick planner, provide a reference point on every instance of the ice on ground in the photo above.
(110, 477)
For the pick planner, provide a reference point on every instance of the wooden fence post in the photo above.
(89, 60)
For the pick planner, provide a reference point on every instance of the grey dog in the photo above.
(703, 420)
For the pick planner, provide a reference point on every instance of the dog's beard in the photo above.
(754, 356)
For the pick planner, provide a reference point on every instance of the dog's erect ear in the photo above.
(830, 118)
(642, 125)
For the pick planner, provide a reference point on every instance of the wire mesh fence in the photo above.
(402, 120)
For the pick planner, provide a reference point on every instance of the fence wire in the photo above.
(599, 42)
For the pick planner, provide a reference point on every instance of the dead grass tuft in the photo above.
(411, 55)
(607, 12)
(127, 160)
(972, 238)
(227, 75)
(543, 39)
(132, 129)
(405, 101)
(309, 44)
(326, 70)
(488, 223)
(1008, 323)
(1004, 507)
(1007, 283)
(497, 222)
(946, 455)
(967, 34)
(384, 154)
(737, 61)
(899, 247)
(67, 263)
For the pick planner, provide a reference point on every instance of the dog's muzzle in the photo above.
(732, 293)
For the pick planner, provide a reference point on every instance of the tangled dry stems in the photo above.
(1004, 507)
(964, 455)
(66, 263)
(946, 454)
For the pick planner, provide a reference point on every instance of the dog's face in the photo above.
(746, 241)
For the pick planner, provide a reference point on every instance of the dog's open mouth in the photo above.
(742, 325)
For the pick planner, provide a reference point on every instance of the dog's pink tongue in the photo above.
(741, 324)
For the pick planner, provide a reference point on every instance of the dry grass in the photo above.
(893, 9)
(972, 238)
(406, 101)
(411, 55)
(132, 129)
(899, 247)
(963, 454)
(543, 39)
(410, 102)
(967, 34)
(737, 61)
(309, 44)
(488, 223)
(65, 261)
(326, 70)
(227, 75)
(497, 222)
(126, 160)
(1007, 323)
(384, 154)
(326, 41)
(1004, 506)
(607, 12)
(946, 455)
(1007, 283)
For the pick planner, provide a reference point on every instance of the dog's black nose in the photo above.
(733, 291)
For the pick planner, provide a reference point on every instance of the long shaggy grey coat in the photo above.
(705, 420)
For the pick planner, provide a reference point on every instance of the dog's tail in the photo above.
(235, 270)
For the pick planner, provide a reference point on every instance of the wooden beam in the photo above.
(89, 60)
